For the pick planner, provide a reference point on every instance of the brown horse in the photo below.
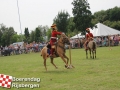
(59, 51)
(92, 48)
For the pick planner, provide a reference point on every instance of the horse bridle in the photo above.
(63, 42)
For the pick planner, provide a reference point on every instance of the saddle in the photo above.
(54, 50)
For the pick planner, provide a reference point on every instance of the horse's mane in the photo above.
(62, 36)
(62, 41)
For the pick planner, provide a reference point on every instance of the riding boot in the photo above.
(51, 51)
(86, 43)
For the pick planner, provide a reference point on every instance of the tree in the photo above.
(49, 34)
(61, 21)
(37, 35)
(2, 30)
(6, 34)
(26, 33)
(14, 38)
(71, 27)
(43, 32)
(5, 38)
(108, 17)
(82, 15)
(0, 37)
(101, 16)
(114, 14)
(32, 36)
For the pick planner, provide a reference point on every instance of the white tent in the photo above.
(77, 36)
(103, 30)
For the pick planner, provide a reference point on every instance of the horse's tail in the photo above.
(94, 46)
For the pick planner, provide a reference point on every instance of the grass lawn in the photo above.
(102, 73)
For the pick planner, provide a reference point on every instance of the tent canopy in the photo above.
(103, 30)
(78, 36)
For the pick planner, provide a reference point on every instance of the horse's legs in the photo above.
(45, 64)
(86, 54)
(90, 53)
(95, 53)
(52, 62)
(66, 58)
(62, 57)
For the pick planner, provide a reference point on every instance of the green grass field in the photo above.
(102, 73)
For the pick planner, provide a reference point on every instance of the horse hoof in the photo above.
(66, 66)
(70, 67)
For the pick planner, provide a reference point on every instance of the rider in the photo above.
(53, 38)
(89, 37)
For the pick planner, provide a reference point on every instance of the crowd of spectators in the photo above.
(113, 40)
(19, 49)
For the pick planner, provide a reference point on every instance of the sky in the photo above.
(42, 12)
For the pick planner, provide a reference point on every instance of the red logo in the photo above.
(5, 80)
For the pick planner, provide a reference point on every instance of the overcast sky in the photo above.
(42, 12)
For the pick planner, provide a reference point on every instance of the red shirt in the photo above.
(54, 36)
(89, 35)
(55, 33)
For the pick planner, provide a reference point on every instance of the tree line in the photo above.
(82, 18)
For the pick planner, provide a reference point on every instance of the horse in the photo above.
(59, 51)
(92, 49)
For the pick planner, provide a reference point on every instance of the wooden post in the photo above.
(109, 42)
(70, 53)
(70, 66)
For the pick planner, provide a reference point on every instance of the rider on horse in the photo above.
(53, 38)
(89, 37)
